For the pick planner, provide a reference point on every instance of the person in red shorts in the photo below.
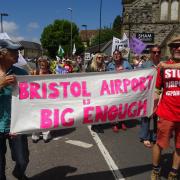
(168, 111)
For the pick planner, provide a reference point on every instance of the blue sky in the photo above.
(27, 18)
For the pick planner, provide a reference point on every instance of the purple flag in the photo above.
(136, 45)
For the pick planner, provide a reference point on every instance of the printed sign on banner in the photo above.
(63, 101)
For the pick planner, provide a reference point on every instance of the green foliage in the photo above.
(117, 24)
(108, 33)
(105, 36)
(59, 33)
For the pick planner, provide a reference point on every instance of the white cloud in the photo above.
(33, 25)
(17, 38)
(10, 27)
(35, 40)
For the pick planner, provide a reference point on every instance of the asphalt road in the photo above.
(79, 154)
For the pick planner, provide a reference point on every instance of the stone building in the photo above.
(31, 50)
(153, 21)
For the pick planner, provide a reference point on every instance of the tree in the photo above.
(106, 35)
(59, 33)
(117, 24)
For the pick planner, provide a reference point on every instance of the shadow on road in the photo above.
(61, 172)
(166, 163)
(57, 173)
(131, 171)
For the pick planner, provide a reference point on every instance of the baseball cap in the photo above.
(174, 42)
(11, 45)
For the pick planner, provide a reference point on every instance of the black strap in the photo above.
(162, 77)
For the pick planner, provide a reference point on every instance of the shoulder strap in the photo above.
(162, 76)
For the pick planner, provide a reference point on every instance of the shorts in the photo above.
(166, 129)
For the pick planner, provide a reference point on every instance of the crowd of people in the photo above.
(166, 116)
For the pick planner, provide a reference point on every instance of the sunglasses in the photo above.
(99, 57)
(156, 52)
(175, 45)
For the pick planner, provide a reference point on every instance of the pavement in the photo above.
(80, 154)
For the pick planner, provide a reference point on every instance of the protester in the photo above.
(43, 68)
(59, 68)
(118, 64)
(52, 66)
(168, 111)
(144, 58)
(79, 64)
(107, 59)
(137, 62)
(18, 143)
(97, 65)
(68, 66)
(146, 135)
(155, 54)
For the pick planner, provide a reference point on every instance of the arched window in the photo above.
(164, 10)
(174, 10)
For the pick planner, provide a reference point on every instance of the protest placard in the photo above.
(119, 44)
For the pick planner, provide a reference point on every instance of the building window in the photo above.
(164, 10)
(174, 10)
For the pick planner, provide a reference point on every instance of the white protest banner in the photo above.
(63, 101)
(119, 44)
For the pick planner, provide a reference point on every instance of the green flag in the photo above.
(60, 52)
